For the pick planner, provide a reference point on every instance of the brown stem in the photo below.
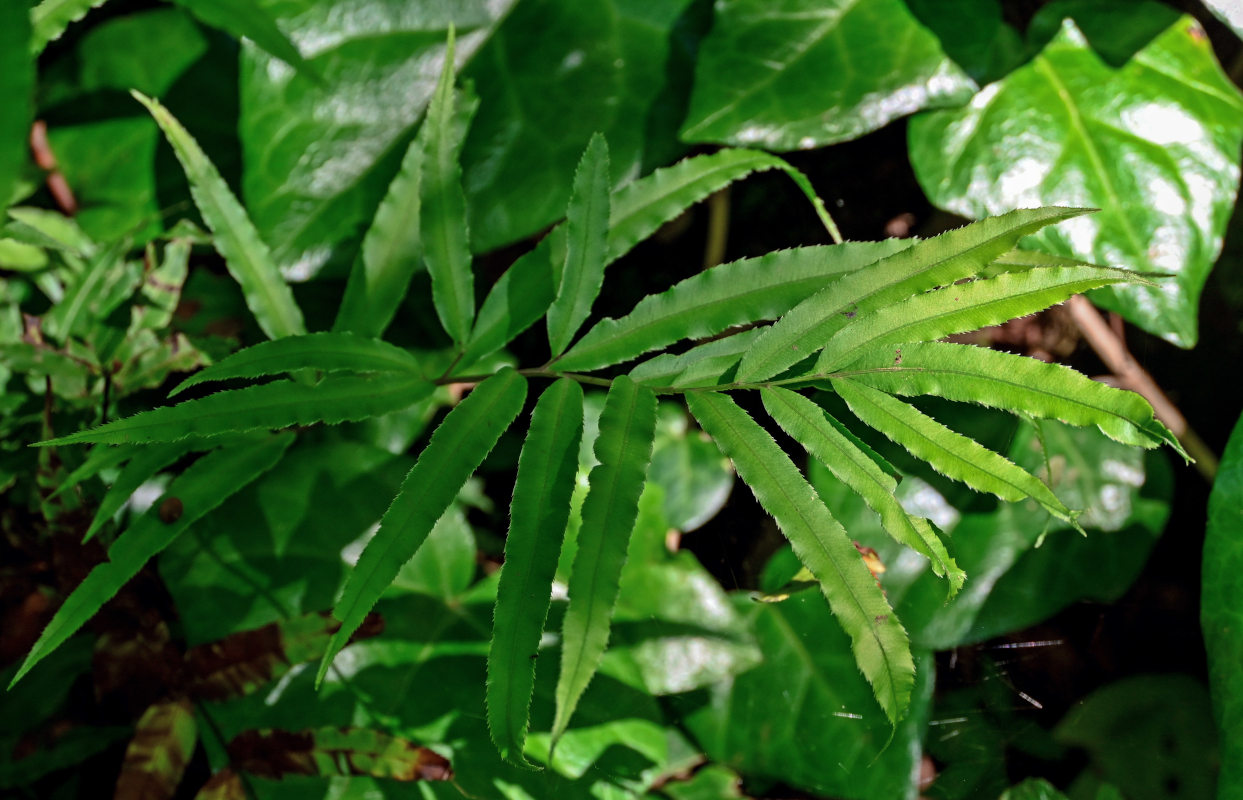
(41, 149)
(718, 228)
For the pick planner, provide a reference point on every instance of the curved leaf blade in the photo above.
(50, 18)
(247, 257)
(586, 224)
(145, 463)
(623, 448)
(204, 485)
(965, 307)
(456, 449)
(812, 427)
(880, 644)
(272, 405)
(708, 303)
(538, 517)
(948, 452)
(704, 365)
(17, 82)
(327, 352)
(242, 18)
(939, 261)
(968, 374)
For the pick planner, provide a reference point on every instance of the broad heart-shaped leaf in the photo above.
(879, 643)
(623, 448)
(206, 484)
(270, 405)
(1221, 612)
(524, 292)
(1003, 380)
(1154, 144)
(17, 80)
(586, 231)
(949, 453)
(50, 18)
(242, 18)
(329, 352)
(964, 307)
(831, 446)
(760, 74)
(708, 303)
(318, 156)
(442, 210)
(457, 448)
(537, 520)
(247, 257)
(939, 261)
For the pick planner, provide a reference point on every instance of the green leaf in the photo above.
(949, 453)
(145, 463)
(392, 251)
(17, 81)
(319, 156)
(939, 261)
(537, 520)
(704, 365)
(1227, 12)
(974, 34)
(1220, 609)
(446, 240)
(828, 444)
(623, 448)
(103, 285)
(100, 458)
(964, 307)
(243, 18)
(271, 405)
(457, 448)
(586, 226)
(759, 76)
(246, 256)
(708, 303)
(1154, 144)
(879, 643)
(206, 484)
(50, 18)
(328, 352)
(1028, 386)
(1116, 29)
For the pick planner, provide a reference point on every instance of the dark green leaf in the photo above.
(145, 463)
(17, 80)
(586, 231)
(50, 18)
(243, 18)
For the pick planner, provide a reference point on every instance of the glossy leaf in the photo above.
(391, 253)
(586, 231)
(810, 426)
(1220, 609)
(708, 303)
(939, 261)
(144, 463)
(965, 307)
(156, 758)
(759, 78)
(247, 257)
(319, 156)
(17, 81)
(623, 449)
(879, 643)
(949, 453)
(455, 451)
(204, 485)
(1154, 144)
(537, 520)
(326, 352)
(1002, 380)
(442, 210)
(50, 18)
(241, 18)
(270, 405)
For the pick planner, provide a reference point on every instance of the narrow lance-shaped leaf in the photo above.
(82, 301)
(737, 293)
(145, 463)
(812, 427)
(939, 261)
(623, 448)
(327, 352)
(948, 452)
(245, 18)
(538, 517)
(992, 378)
(17, 82)
(392, 251)
(704, 365)
(880, 644)
(245, 255)
(204, 485)
(455, 451)
(272, 405)
(51, 17)
(586, 227)
(446, 246)
(965, 307)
